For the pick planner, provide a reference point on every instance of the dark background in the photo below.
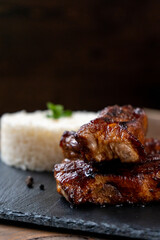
(83, 54)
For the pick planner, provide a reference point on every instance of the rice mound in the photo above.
(31, 140)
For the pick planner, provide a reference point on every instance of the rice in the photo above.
(31, 140)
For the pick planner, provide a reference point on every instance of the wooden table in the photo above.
(8, 232)
(21, 232)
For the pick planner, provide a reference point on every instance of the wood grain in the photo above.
(19, 233)
(84, 54)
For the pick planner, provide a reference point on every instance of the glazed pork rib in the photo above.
(152, 146)
(81, 182)
(118, 132)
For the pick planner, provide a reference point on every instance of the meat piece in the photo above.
(152, 146)
(81, 182)
(72, 149)
(118, 132)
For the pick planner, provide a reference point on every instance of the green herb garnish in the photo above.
(57, 111)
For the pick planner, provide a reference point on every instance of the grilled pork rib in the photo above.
(118, 132)
(152, 146)
(81, 182)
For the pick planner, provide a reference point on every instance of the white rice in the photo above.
(31, 140)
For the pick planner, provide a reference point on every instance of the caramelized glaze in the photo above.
(118, 132)
(81, 182)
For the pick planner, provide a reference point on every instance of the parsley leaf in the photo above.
(57, 111)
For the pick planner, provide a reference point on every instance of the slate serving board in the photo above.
(47, 208)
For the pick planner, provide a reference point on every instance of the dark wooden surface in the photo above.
(84, 54)
(21, 233)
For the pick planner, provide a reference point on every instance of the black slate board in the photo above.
(47, 208)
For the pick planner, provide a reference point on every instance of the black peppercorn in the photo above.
(29, 182)
(41, 186)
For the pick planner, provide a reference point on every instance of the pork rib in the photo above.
(118, 132)
(152, 146)
(80, 182)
